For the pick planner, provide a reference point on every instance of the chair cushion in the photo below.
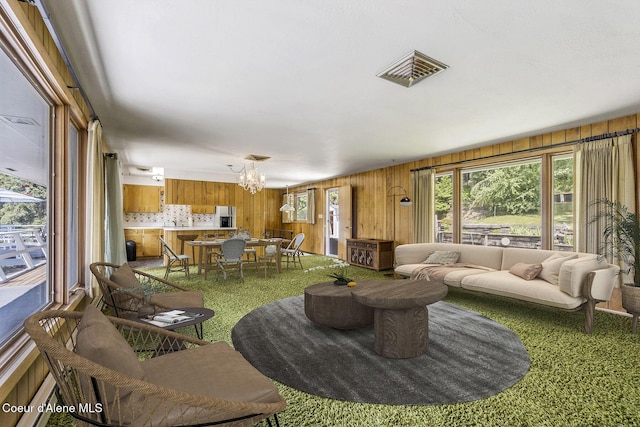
(214, 370)
(125, 277)
(178, 299)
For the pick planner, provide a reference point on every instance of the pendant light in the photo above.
(287, 207)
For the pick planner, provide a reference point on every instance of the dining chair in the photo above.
(231, 258)
(268, 258)
(175, 262)
(293, 250)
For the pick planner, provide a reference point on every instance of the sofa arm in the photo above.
(599, 284)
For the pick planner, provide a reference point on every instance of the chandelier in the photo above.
(251, 180)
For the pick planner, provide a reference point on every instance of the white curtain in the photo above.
(311, 206)
(603, 170)
(94, 191)
(424, 229)
(115, 251)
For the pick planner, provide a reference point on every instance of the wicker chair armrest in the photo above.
(157, 283)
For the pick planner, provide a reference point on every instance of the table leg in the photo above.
(278, 258)
(401, 334)
(201, 250)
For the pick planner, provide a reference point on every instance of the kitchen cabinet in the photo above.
(203, 209)
(203, 196)
(141, 198)
(370, 253)
(147, 243)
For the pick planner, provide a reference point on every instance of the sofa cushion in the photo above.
(407, 269)
(573, 272)
(442, 257)
(536, 291)
(455, 277)
(551, 267)
(512, 256)
(125, 277)
(525, 270)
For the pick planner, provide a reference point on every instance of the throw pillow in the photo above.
(551, 267)
(428, 255)
(125, 277)
(526, 271)
(443, 257)
(100, 342)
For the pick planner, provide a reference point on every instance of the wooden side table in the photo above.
(401, 317)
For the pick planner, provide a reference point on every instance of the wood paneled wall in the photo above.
(253, 211)
(379, 216)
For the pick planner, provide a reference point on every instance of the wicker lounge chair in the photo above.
(124, 290)
(114, 371)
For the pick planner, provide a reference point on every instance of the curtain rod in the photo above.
(529, 150)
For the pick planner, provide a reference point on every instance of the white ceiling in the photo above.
(195, 85)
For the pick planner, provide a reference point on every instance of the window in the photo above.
(444, 207)
(301, 202)
(73, 207)
(501, 205)
(24, 142)
(562, 202)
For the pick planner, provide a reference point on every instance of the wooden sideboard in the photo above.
(370, 253)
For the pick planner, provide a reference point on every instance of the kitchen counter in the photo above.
(179, 228)
(173, 234)
(198, 228)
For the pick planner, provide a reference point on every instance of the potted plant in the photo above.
(341, 276)
(621, 242)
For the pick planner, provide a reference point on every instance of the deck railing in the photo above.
(21, 250)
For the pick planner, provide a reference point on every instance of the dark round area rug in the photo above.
(470, 357)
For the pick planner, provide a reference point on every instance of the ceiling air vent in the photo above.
(257, 158)
(412, 68)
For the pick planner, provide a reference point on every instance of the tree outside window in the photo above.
(301, 206)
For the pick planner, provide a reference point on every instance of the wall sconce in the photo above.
(405, 200)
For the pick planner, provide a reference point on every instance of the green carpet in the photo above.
(574, 379)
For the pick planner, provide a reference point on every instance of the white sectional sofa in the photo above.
(569, 280)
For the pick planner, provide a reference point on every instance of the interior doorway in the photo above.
(333, 222)
(338, 217)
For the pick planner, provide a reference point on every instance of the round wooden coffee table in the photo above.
(332, 305)
(401, 318)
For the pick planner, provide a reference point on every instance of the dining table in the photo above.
(206, 245)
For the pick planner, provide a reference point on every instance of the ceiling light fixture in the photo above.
(287, 207)
(251, 180)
